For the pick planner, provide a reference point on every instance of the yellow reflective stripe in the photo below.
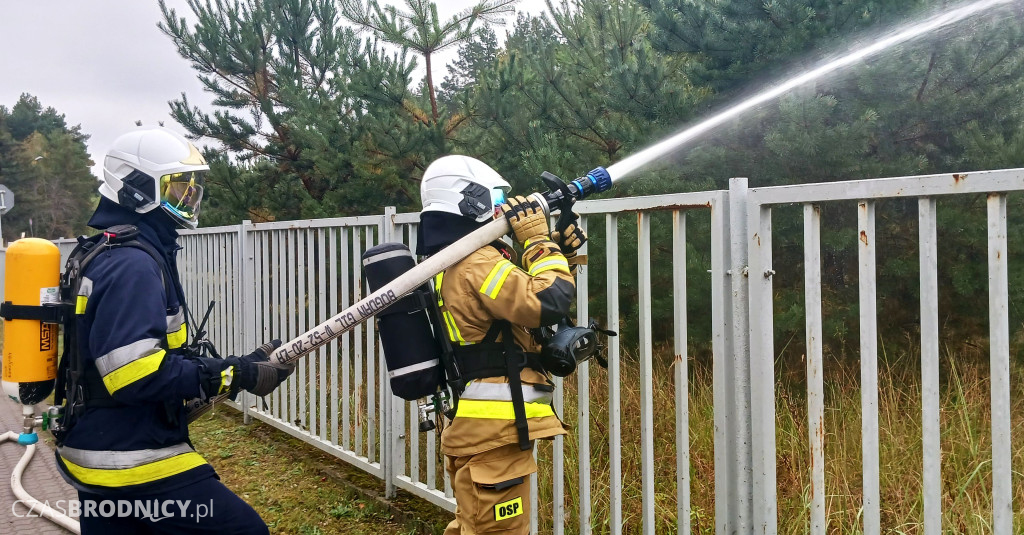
(492, 284)
(80, 304)
(557, 263)
(227, 375)
(137, 475)
(453, 330)
(133, 371)
(438, 279)
(178, 338)
(501, 410)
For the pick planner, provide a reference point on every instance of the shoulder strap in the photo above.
(494, 359)
(515, 360)
(71, 377)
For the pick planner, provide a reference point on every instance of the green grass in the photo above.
(965, 441)
(298, 489)
(965, 421)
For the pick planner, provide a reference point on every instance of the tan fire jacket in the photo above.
(487, 286)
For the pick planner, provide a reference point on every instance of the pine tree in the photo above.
(44, 162)
(306, 112)
(418, 28)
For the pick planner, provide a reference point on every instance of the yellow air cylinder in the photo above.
(31, 278)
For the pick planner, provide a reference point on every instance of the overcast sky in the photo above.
(104, 63)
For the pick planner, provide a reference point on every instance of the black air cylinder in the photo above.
(411, 352)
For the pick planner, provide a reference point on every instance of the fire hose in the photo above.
(36, 507)
(560, 196)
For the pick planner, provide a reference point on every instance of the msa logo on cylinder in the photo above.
(46, 336)
(509, 509)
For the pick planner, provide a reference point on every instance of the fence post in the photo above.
(761, 367)
(738, 363)
(392, 445)
(721, 348)
(246, 299)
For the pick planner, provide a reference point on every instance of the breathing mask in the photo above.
(570, 345)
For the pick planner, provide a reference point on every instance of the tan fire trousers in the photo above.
(492, 491)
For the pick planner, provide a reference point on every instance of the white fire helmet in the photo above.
(463, 186)
(153, 167)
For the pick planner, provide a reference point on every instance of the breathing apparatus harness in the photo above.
(79, 388)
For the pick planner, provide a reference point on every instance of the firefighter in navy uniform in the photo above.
(489, 303)
(127, 429)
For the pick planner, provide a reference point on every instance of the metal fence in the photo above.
(279, 279)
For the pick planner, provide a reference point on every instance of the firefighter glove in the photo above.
(258, 374)
(527, 219)
(569, 238)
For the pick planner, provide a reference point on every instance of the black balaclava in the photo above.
(156, 227)
(438, 230)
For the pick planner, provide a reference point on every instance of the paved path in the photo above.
(40, 479)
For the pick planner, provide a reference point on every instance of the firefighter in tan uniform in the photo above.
(489, 303)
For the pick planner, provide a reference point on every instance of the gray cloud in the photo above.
(102, 64)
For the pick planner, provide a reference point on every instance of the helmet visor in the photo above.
(498, 199)
(181, 193)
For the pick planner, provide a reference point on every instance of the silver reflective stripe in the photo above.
(501, 392)
(384, 256)
(86, 288)
(114, 460)
(414, 368)
(499, 273)
(174, 322)
(126, 354)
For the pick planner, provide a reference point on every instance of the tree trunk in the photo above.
(430, 87)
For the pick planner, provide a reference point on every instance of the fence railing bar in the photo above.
(299, 314)
(206, 283)
(267, 291)
(614, 395)
(426, 492)
(558, 464)
(999, 347)
(322, 284)
(743, 487)
(250, 300)
(214, 286)
(682, 388)
(278, 283)
(351, 221)
(583, 395)
(347, 339)
(721, 349)
(815, 377)
(414, 445)
(372, 380)
(359, 388)
(930, 428)
(227, 299)
(348, 456)
(293, 329)
(646, 371)
(869, 364)
(332, 254)
(311, 310)
(761, 379)
(534, 498)
(902, 187)
(392, 445)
